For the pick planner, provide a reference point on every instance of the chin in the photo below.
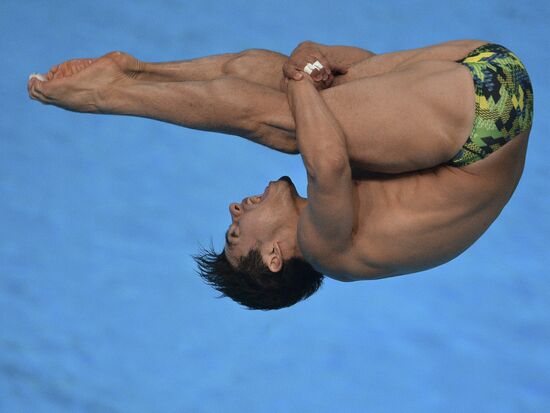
(293, 194)
(286, 179)
(287, 182)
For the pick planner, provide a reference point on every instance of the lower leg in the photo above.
(202, 68)
(254, 65)
(260, 66)
(227, 105)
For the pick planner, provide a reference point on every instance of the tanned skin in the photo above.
(374, 136)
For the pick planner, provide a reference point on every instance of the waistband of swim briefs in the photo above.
(492, 48)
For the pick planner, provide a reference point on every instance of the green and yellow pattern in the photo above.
(503, 101)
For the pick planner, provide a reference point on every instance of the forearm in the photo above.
(329, 217)
(321, 140)
(345, 55)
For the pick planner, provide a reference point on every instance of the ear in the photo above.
(274, 258)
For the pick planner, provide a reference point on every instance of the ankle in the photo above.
(110, 99)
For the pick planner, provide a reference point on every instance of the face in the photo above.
(267, 221)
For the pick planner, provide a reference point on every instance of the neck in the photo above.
(301, 204)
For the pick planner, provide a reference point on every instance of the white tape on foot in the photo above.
(37, 76)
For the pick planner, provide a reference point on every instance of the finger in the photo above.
(327, 69)
(316, 75)
(324, 69)
(328, 82)
(296, 74)
(291, 71)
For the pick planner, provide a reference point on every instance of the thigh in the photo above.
(414, 118)
(383, 63)
(409, 119)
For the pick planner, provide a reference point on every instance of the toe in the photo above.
(35, 88)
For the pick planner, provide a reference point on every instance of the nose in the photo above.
(235, 210)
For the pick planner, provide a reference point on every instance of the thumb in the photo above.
(291, 72)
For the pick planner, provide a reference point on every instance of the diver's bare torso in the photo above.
(428, 218)
(408, 222)
(411, 222)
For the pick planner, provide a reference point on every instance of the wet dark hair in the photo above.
(253, 284)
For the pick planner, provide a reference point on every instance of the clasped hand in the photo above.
(309, 53)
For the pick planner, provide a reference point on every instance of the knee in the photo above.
(248, 61)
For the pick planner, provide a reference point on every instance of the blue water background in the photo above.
(100, 308)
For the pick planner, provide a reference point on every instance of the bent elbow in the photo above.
(328, 169)
(335, 165)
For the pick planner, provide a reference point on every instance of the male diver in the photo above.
(410, 155)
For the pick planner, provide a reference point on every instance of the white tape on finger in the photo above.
(318, 64)
(309, 68)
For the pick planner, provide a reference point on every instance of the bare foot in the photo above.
(80, 84)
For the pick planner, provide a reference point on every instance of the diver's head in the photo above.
(262, 266)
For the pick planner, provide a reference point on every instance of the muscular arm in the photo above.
(328, 221)
(344, 55)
